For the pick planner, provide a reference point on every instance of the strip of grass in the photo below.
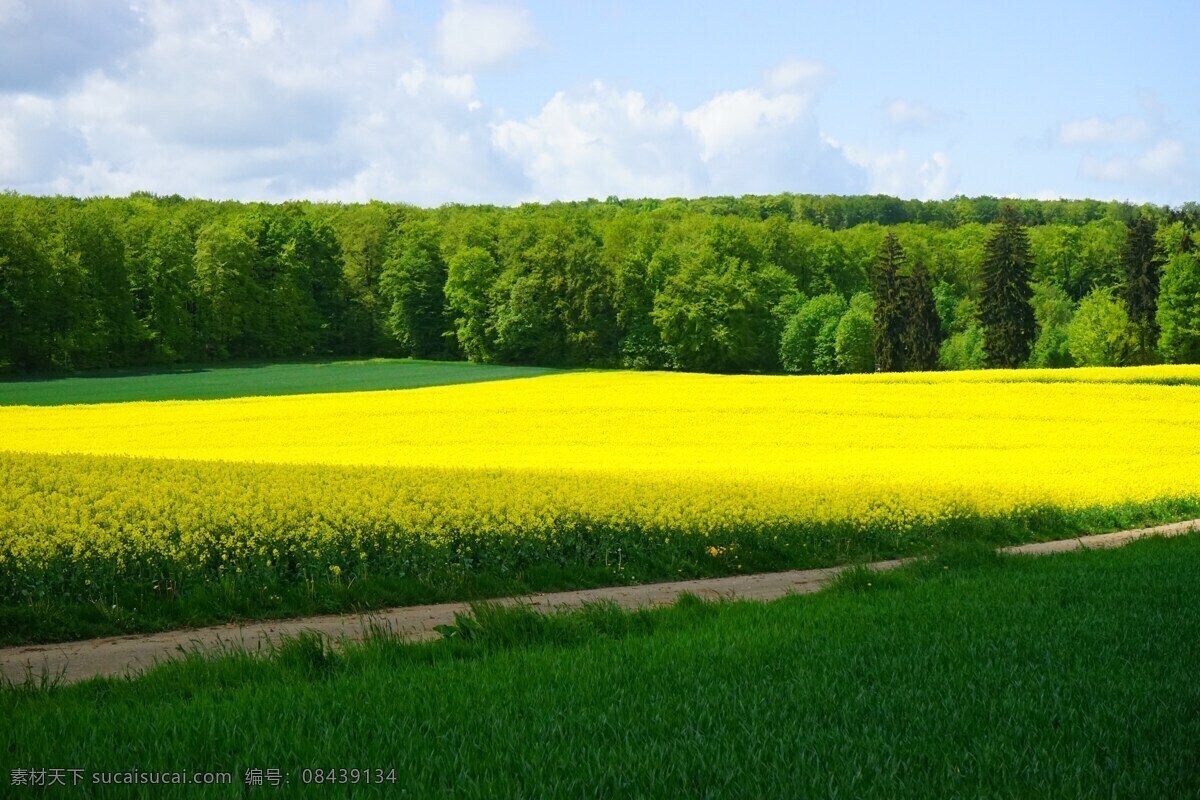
(969, 675)
(460, 571)
(256, 379)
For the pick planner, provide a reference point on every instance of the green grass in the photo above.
(214, 382)
(964, 676)
(45, 607)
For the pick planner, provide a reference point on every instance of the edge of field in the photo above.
(130, 655)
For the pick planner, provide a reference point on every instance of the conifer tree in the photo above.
(886, 291)
(922, 325)
(1143, 271)
(1005, 310)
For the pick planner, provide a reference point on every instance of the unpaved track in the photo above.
(121, 655)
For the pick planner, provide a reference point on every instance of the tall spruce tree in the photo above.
(1143, 270)
(886, 290)
(1005, 310)
(922, 325)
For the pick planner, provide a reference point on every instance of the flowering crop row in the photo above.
(641, 471)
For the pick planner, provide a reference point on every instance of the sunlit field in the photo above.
(595, 476)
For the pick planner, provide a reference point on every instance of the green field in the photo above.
(215, 382)
(967, 675)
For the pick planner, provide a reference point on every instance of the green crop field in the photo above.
(966, 675)
(215, 382)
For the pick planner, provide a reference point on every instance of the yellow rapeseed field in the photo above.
(577, 463)
(1081, 442)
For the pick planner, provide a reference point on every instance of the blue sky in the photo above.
(466, 101)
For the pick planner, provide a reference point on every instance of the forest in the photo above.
(796, 283)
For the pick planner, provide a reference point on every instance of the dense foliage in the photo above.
(710, 284)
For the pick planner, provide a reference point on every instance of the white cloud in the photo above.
(1095, 130)
(279, 99)
(1163, 162)
(598, 141)
(35, 141)
(602, 141)
(48, 43)
(905, 114)
(473, 36)
(796, 74)
(260, 100)
(938, 176)
(730, 121)
(897, 173)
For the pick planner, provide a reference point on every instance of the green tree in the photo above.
(1053, 310)
(631, 255)
(1174, 237)
(1099, 260)
(161, 278)
(709, 283)
(1142, 264)
(1056, 252)
(1005, 312)
(226, 251)
(809, 341)
(107, 331)
(964, 349)
(1101, 334)
(948, 302)
(296, 279)
(30, 337)
(1179, 309)
(922, 333)
(889, 316)
(718, 311)
(854, 341)
(553, 298)
(363, 234)
(413, 281)
(469, 279)
(1187, 242)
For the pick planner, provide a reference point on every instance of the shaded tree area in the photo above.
(755, 283)
(922, 327)
(889, 311)
(1142, 264)
(1005, 310)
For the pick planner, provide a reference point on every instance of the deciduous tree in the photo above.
(1179, 309)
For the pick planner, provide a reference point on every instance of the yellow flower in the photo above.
(271, 483)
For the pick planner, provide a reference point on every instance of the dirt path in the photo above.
(121, 655)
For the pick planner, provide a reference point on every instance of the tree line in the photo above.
(799, 283)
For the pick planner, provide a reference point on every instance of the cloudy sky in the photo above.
(466, 101)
